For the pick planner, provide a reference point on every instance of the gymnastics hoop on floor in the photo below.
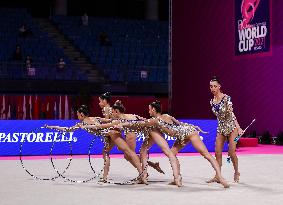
(33, 175)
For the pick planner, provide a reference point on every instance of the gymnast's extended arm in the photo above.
(65, 129)
(101, 126)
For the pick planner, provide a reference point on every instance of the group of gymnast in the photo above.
(116, 122)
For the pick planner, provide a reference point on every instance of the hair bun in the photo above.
(157, 102)
(215, 78)
(84, 107)
(118, 102)
(157, 105)
(108, 94)
(119, 105)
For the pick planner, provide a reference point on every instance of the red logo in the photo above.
(248, 10)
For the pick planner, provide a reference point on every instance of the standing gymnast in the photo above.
(228, 126)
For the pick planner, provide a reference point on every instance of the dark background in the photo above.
(203, 46)
(101, 8)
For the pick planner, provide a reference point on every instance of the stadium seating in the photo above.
(135, 46)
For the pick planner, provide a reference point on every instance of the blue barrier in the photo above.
(38, 141)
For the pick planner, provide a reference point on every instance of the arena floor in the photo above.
(261, 183)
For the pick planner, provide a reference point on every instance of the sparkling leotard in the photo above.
(225, 116)
(107, 113)
(104, 133)
(180, 131)
(138, 126)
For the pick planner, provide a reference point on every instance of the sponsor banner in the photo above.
(39, 141)
(252, 27)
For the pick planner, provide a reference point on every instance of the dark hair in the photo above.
(119, 106)
(84, 110)
(157, 106)
(215, 79)
(106, 96)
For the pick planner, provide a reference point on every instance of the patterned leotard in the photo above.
(180, 131)
(104, 133)
(226, 118)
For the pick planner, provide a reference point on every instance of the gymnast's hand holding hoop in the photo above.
(240, 131)
(243, 132)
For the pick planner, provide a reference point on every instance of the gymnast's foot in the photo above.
(172, 183)
(236, 177)
(156, 166)
(214, 179)
(102, 181)
(224, 183)
(178, 181)
(143, 180)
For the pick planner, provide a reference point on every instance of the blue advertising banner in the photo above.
(36, 140)
(252, 27)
